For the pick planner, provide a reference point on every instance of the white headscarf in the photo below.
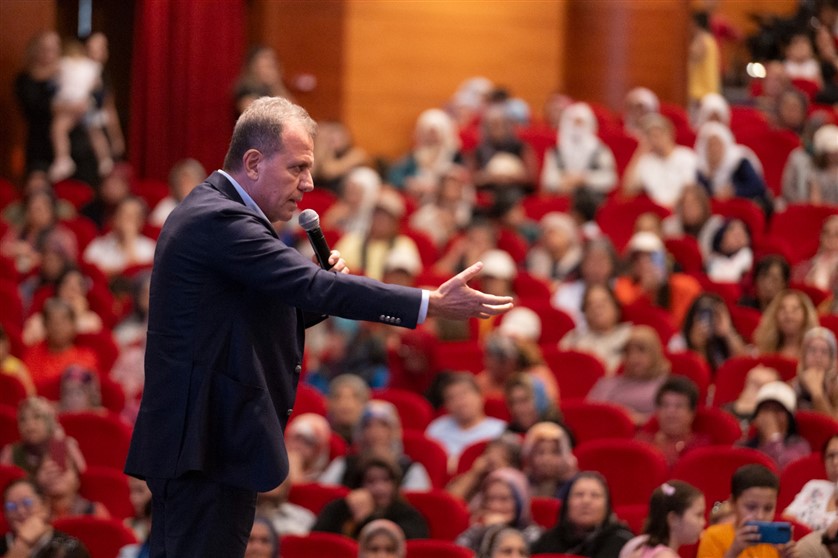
(733, 154)
(577, 140)
(436, 159)
(712, 104)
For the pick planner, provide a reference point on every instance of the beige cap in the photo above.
(780, 392)
(645, 242)
(826, 139)
(403, 260)
(521, 323)
(498, 264)
(391, 202)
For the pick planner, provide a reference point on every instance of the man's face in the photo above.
(281, 180)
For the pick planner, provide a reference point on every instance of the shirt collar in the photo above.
(248, 201)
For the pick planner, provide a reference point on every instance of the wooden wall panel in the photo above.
(614, 45)
(404, 57)
(20, 20)
(308, 37)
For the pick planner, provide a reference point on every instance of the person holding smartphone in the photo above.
(754, 497)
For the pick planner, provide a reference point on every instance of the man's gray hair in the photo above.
(261, 126)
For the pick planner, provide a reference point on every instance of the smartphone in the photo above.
(773, 532)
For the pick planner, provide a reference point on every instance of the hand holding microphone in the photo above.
(310, 222)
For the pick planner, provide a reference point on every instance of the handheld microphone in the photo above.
(310, 222)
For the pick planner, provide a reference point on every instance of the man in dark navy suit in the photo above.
(228, 310)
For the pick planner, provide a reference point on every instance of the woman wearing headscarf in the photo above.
(549, 463)
(501, 541)
(378, 433)
(724, 168)
(581, 159)
(774, 425)
(816, 384)
(503, 499)
(381, 539)
(587, 525)
(352, 212)
(559, 251)
(307, 441)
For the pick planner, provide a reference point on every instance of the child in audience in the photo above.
(676, 518)
(754, 496)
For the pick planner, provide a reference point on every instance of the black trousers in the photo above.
(195, 517)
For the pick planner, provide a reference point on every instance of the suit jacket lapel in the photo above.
(220, 183)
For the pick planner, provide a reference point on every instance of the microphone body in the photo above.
(310, 222)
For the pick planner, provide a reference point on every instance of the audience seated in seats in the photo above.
(815, 505)
(821, 270)
(60, 484)
(285, 517)
(558, 253)
(816, 384)
(708, 331)
(784, 323)
(676, 518)
(502, 359)
(580, 159)
(348, 396)
(753, 494)
(367, 252)
(25, 243)
(464, 422)
(479, 237)
(30, 529)
(724, 168)
(261, 75)
(72, 287)
(263, 541)
(598, 267)
(503, 499)
(335, 155)
(375, 495)
(731, 257)
(140, 495)
(357, 196)
(605, 334)
(436, 147)
(659, 167)
(800, 167)
(381, 539)
(115, 187)
(14, 213)
(693, 218)
(450, 208)
(744, 406)
(549, 463)
(307, 441)
(822, 184)
(645, 369)
(498, 136)
(638, 102)
(528, 402)
(504, 451)
(675, 406)
(501, 541)
(774, 427)
(58, 255)
(41, 437)
(587, 525)
(183, 177)
(648, 279)
(800, 61)
(12, 366)
(771, 276)
(379, 433)
(125, 245)
(79, 391)
(58, 350)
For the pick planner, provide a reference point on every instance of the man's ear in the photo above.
(250, 162)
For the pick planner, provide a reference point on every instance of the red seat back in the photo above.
(308, 400)
(469, 455)
(730, 376)
(12, 391)
(555, 323)
(446, 515)
(798, 473)
(545, 511)
(318, 544)
(686, 252)
(695, 368)
(800, 225)
(415, 412)
(589, 420)
(314, 496)
(102, 537)
(616, 217)
(459, 356)
(110, 487)
(719, 426)
(816, 427)
(772, 148)
(9, 432)
(103, 438)
(76, 192)
(575, 372)
(621, 462)
(429, 548)
(429, 453)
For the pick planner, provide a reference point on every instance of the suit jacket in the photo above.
(225, 340)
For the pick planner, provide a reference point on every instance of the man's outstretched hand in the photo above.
(455, 300)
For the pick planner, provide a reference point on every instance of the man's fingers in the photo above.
(470, 272)
(494, 309)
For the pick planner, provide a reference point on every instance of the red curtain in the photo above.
(187, 55)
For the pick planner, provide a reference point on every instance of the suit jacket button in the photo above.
(290, 411)
(298, 369)
(382, 318)
(398, 320)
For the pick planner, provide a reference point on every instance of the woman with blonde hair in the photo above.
(789, 316)
(816, 384)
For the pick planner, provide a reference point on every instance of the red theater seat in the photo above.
(102, 537)
(110, 487)
(575, 372)
(103, 438)
(314, 496)
(429, 548)
(590, 420)
(621, 462)
(816, 427)
(429, 453)
(446, 515)
(319, 544)
(415, 412)
(798, 473)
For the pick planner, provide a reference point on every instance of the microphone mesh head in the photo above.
(309, 220)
